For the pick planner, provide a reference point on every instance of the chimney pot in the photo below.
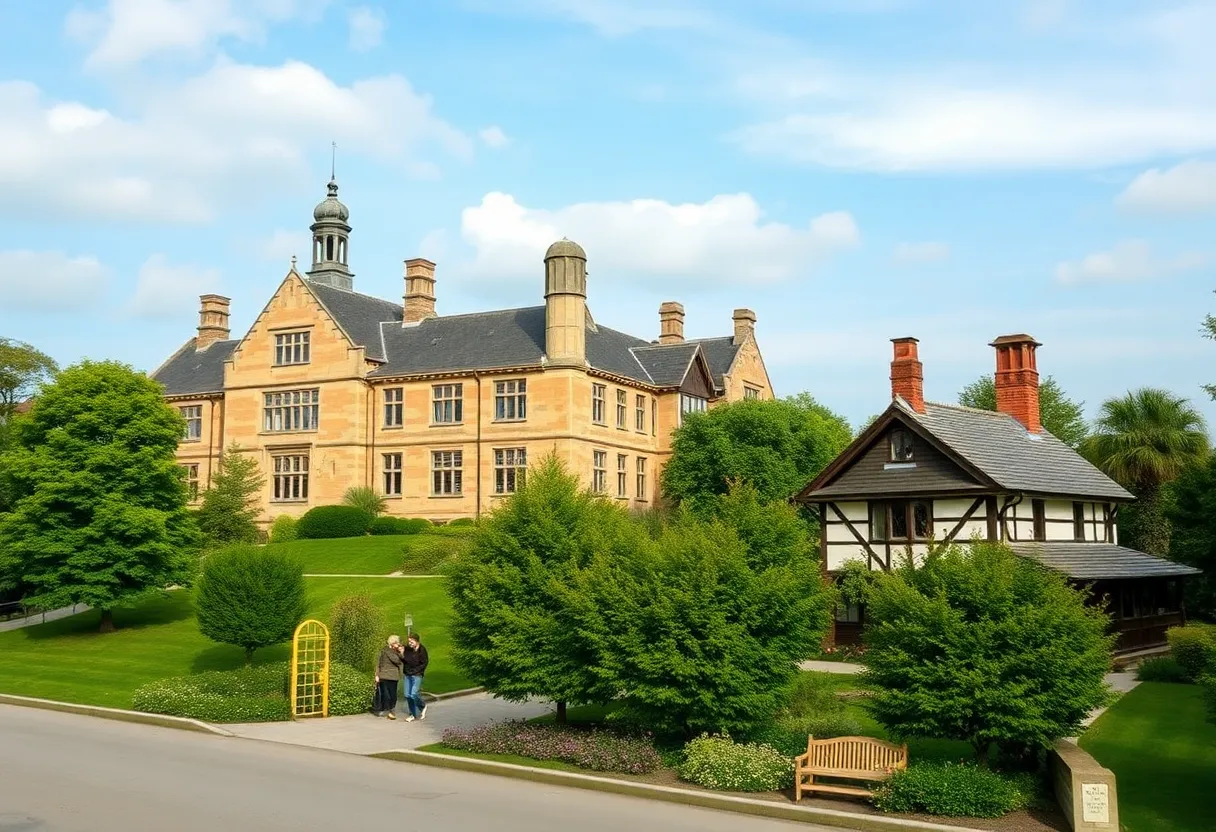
(212, 320)
(671, 322)
(745, 324)
(1017, 379)
(908, 374)
(419, 291)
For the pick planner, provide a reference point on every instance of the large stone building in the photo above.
(331, 389)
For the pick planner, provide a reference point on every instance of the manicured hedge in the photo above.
(1194, 647)
(722, 764)
(592, 749)
(953, 790)
(250, 694)
(325, 522)
(461, 521)
(400, 525)
(1161, 669)
(384, 526)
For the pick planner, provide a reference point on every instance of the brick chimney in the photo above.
(212, 320)
(419, 290)
(908, 374)
(671, 323)
(745, 324)
(1017, 379)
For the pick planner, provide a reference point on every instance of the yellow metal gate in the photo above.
(310, 670)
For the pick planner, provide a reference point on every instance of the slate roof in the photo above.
(359, 315)
(1095, 561)
(506, 338)
(666, 364)
(193, 372)
(720, 353)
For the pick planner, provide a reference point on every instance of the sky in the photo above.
(852, 170)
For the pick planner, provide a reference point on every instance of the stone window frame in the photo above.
(447, 403)
(292, 348)
(290, 472)
(393, 476)
(447, 473)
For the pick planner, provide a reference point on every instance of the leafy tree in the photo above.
(1063, 418)
(22, 369)
(366, 499)
(1192, 517)
(514, 594)
(980, 645)
(100, 515)
(1144, 440)
(1209, 331)
(356, 627)
(778, 445)
(251, 597)
(229, 512)
(701, 628)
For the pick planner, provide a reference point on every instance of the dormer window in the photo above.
(901, 446)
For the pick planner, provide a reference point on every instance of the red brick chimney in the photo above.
(908, 374)
(1017, 379)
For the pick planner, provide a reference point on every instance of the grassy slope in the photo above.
(1163, 753)
(68, 660)
(372, 555)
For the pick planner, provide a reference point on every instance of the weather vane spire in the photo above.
(333, 161)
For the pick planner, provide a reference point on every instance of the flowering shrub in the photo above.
(953, 790)
(717, 762)
(593, 749)
(844, 653)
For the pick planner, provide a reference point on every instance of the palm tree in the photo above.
(1144, 440)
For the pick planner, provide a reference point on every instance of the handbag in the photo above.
(377, 698)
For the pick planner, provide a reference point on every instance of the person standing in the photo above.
(388, 673)
(414, 660)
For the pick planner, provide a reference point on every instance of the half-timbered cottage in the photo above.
(925, 473)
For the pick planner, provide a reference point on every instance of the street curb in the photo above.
(456, 694)
(668, 794)
(180, 723)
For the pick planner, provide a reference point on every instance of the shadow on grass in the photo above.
(160, 609)
(228, 657)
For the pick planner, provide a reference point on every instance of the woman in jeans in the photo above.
(388, 673)
(414, 659)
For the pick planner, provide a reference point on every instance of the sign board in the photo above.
(1095, 803)
(409, 622)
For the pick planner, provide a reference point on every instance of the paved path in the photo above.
(51, 615)
(352, 575)
(832, 667)
(76, 774)
(366, 734)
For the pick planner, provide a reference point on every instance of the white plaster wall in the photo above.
(1058, 510)
(954, 507)
(858, 512)
(839, 554)
(839, 532)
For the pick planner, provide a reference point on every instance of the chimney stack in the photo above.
(1017, 379)
(671, 323)
(419, 290)
(908, 374)
(212, 320)
(745, 324)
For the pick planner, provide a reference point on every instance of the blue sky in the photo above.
(852, 170)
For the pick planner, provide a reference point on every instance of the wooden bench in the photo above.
(846, 758)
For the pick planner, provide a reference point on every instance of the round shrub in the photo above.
(355, 629)
(413, 525)
(461, 521)
(350, 690)
(251, 694)
(1194, 648)
(283, 529)
(1161, 669)
(953, 790)
(593, 749)
(385, 526)
(250, 597)
(717, 762)
(324, 522)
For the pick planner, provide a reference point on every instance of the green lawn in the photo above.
(68, 660)
(1163, 753)
(418, 554)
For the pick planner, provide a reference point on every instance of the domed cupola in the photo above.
(331, 242)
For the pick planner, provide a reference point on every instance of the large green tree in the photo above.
(1191, 512)
(778, 446)
(23, 369)
(99, 514)
(1063, 418)
(977, 644)
(1144, 440)
(514, 595)
(229, 511)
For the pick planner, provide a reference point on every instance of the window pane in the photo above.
(878, 521)
(899, 520)
(920, 517)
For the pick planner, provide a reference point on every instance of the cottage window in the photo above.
(394, 407)
(392, 475)
(510, 400)
(193, 414)
(599, 471)
(291, 410)
(901, 446)
(447, 404)
(447, 469)
(848, 613)
(1078, 522)
(290, 483)
(191, 472)
(292, 348)
(622, 475)
(901, 521)
(1039, 509)
(598, 392)
(509, 467)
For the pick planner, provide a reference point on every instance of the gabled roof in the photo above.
(1095, 561)
(195, 372)
(667, 364)
(993, 447)
(719, 354)
(359, 315)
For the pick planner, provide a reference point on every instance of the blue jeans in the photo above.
(413, 695)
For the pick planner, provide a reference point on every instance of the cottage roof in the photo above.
(1095, 561)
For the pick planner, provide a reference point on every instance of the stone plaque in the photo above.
(1095, 803)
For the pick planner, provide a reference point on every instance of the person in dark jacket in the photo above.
(413, 662)
(388, 673)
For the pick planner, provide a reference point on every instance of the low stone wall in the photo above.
(1084, 789)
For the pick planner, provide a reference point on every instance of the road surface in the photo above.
(67, 773)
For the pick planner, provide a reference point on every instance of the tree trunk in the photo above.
(561, 713)
(248, 656)
(981, 752)
(107, 621)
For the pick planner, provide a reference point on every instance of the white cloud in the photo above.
(163, 290)
(215, 138)
(722, 240)
(128, 31)
(1130, 260)
(366, 28)
(928, 252)
(50, 281)
(1186, 188)
(494, 137)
